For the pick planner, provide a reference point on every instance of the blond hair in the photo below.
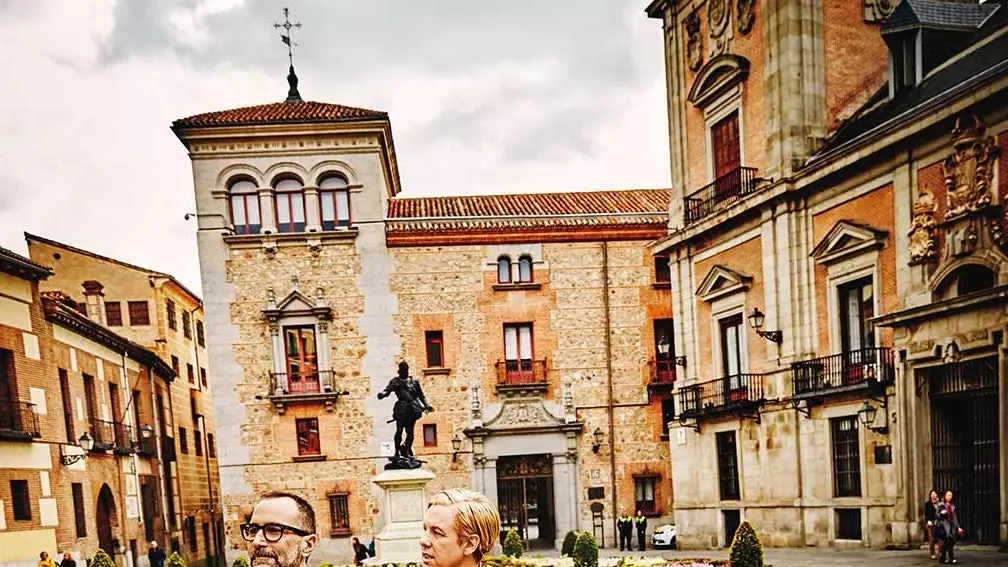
(475, 515)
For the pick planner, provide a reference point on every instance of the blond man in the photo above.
(460, 527)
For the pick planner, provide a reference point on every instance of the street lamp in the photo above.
(598, 440)
(456, 446)
(756, 320)
(146, 432)
(86, 443)
(867, 414)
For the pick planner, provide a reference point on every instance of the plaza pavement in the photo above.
(815, 557)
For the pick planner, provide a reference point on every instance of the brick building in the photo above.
(533, 323)
(64, 377)
(155, 310)
(838, 267)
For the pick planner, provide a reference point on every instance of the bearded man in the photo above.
(281, 531)
(460, 528)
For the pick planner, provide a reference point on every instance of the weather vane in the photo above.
(285, 36)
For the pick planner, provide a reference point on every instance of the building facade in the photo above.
(155, 310)
(532, 322)
(838, 267)
(80, 464)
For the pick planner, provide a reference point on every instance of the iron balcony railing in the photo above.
(111, 435)
(845, 371)
(720, 193)
(146, 446)
(662, 372)
(18, 420)
(522, 371)
(722, 395)
(300, 383)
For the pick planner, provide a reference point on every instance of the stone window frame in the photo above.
(844, 272)
(726, 308)
(718, 109)
(297, 310)
(514, 253)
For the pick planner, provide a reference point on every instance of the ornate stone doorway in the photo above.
(525, 496)
(964, 442)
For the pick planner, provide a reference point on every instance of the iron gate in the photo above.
(964, 442)
(525, 495)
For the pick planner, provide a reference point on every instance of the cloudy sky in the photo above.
(484, 97)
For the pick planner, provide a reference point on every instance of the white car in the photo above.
(664, 536)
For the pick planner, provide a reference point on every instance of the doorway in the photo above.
(732, 519)
(964, 442)
(525, 494)
(104, 516)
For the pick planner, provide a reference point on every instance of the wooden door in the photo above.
(725, 145)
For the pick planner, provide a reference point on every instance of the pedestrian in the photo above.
(640, 522)
(67, 560)
(281, 531)
(360, 551)
(624, 525)
(460, 528)
(370, 547)
(155, 555)
(948, 529)
(45, 560)
(930, 517)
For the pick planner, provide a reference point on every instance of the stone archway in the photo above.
(105, 517)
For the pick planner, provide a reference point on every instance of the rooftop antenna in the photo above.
(285, 36)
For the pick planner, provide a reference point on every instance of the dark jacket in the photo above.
(156, 557)
(625, 524)
(947, 519)
(929, 511)
(68, 563)
(640, 522)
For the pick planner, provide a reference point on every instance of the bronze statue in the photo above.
(409, 407)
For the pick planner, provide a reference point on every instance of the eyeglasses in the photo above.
(272, 532)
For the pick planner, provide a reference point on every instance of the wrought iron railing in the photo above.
(662, 372)
(720, 193)
(299, 383)
(104, 434)
(840, 371)
(145, 445)
(18, 419)
(721, 394)
(523, 371)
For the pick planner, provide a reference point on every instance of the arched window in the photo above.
(972, 278)
(290, 209)
(334, 202)
(244, 207)
(524, 269)
(504, 269)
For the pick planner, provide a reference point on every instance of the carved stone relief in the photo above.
(969, 171)
(694, 47)
(745, 13)
(921, 244)
(878, 10)
(718, 20)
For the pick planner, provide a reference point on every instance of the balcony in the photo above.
(523, 375)
(18, 421)
(739, 394)
(112, 435)
(302, 388)
(145, 446)
(721, 193)
(864, 370)
(661, 376)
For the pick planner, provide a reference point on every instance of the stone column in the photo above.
(490, 479)
(267, 210)
(564, 496)
(313, 220)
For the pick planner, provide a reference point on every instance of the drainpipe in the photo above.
(160, 452)
(609, 380)
(119, 466)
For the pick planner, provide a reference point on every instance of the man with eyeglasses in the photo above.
(281, 531)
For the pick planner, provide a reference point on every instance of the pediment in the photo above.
(847, 239)
(717, 76)
(721, 281)
(525, 413)
(295, 301)
(296, 304)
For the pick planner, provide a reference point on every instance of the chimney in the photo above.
(94, 299)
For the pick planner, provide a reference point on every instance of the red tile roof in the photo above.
(591, 203)
(279, 113)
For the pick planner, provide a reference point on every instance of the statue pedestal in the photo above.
(404, 505)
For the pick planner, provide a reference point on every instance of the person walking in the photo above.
(155, 555)
(640, 522)
(360, 552)
(67, 560)
(948, 529)
(624, 525)
(45, 560)
(930, 518)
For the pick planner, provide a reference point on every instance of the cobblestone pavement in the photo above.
(816, 557)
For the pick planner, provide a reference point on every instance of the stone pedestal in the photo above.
(404, 504)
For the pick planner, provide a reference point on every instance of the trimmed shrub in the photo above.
(240, 561)
(175, 560)
(101, 559)
(513, 545)
(585, 551)
(746, 549)
(567, 549)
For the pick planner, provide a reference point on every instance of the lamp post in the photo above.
(867, 415)
(86, 443)
(756, 320)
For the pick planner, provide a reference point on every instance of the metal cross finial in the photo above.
(286, 37)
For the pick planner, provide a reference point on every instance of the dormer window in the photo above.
(904, 61)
